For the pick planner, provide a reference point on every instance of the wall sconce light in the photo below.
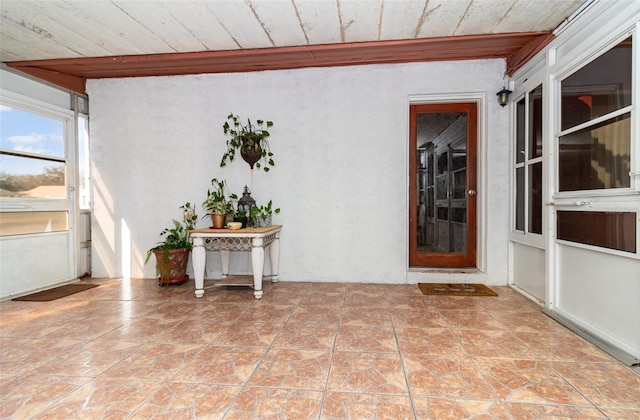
(503, 96)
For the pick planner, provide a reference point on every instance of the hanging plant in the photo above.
(251, 140)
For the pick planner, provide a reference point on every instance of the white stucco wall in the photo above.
(340, 142)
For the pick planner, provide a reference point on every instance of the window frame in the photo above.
(623, 199)
(66, 204)
(525, 236)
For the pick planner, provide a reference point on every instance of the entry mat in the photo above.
(450, 289)
(56, 292)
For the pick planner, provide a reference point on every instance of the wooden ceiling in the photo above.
(66, 42)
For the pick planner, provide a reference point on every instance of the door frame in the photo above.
(477, 101)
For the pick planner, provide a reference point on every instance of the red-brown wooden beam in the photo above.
(71, 73)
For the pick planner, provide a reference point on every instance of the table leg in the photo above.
(257, 264)
(274, 255)
(225, 255)
(198, 258)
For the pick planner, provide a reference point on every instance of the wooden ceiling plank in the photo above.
(399, 19)
(320, 21)
(483, 16)
(442, 18)
(280, 20)
(241, 24)
(360, 20)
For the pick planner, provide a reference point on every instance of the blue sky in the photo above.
(31, 133)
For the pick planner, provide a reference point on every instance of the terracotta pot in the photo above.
(171, 265)
(218, 220)
(250, 154)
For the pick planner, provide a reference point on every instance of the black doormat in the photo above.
(56, 292)
(450, 289)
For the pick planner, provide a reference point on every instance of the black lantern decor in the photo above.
(503, 96)
(244, 205)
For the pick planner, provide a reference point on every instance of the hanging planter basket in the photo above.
(250, 150)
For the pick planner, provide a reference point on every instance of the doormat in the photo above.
(450, 289)
(56, 292)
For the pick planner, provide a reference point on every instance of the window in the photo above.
(528, 163)
(594, 144)
(595, 155)
(33, 170)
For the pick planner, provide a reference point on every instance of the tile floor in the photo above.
(129, 349)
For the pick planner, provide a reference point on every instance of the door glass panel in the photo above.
(442, 181)
(31, 133)
(20, 223)
(520, 131)
(535, 198)
(596, 157)
(32, 155)
(27, 177)
(600, 87)
(535, 123)
(520, 199)
(614, 230)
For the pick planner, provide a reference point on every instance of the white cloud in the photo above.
(45, 144)
(4, 108)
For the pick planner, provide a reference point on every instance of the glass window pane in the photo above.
(535, 198)
(84, 183)
(614, 230)
(31, 178)
(535, 123)
(520, 199)
(31, 133)
(520, 131)
(19, 223)
(596, 157)
(602, 86)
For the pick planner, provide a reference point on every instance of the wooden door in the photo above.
(442, 185)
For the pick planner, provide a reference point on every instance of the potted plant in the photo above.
(172, 254)
(217, 205)
(262, 215)
(251, 140)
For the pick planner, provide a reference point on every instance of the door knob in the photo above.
(472, 192)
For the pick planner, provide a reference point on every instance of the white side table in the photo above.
(226, 240)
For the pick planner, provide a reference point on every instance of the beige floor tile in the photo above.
(458, 409)
(605, 384)
(269, 403)
(290, 368)
(303, 337)
(445, 376)
(366, 317)
(470, 320)
(154, 361)
(366, 339)
(375, 373)
(564, 347)
(429, 341)
(102, 398)
(538, 411)
(266, 313)
(90, 360)
(21, 355)
(417, 318)
(313, 314)
(25, 395)
(187, 401)
(342, 405)
(221, 365)
(529, 381)
(131, 349)
(248, 335)
(493, 343)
